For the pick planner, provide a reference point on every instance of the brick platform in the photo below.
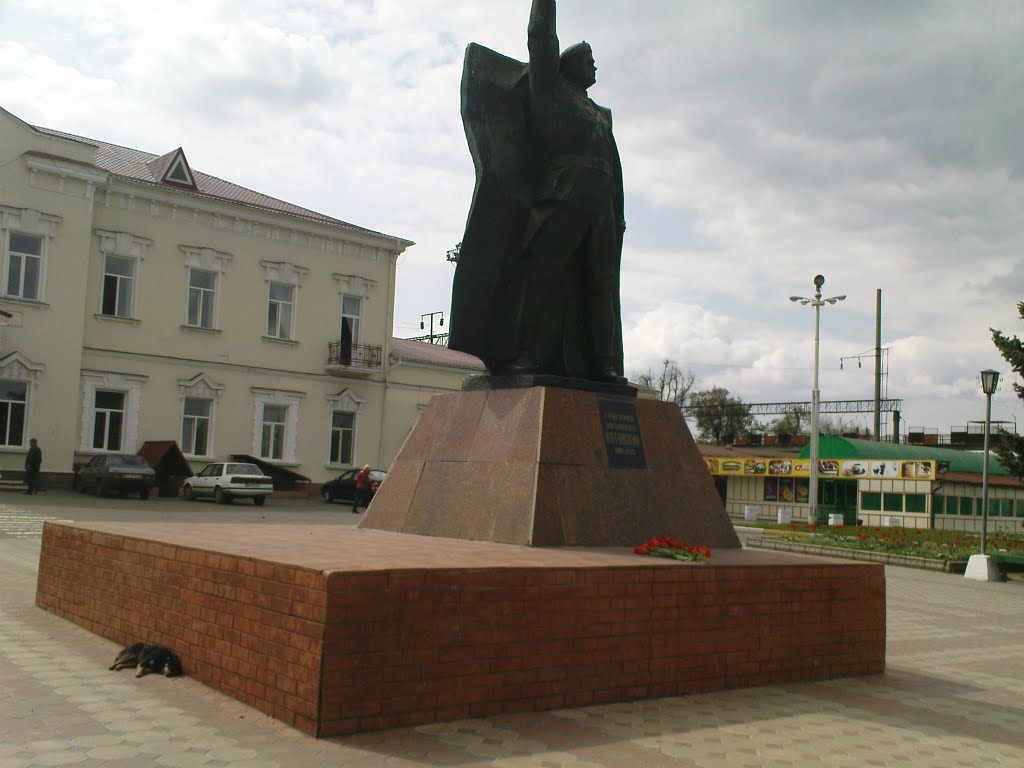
(339, 630)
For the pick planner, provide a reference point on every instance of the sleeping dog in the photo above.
(148, 658)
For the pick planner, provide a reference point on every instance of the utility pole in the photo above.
(878, 364)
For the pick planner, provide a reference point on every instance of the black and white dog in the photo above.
(148, 658)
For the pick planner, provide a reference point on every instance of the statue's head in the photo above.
(577, 65)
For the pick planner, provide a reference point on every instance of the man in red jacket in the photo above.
(361, 497)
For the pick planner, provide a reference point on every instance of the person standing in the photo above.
(33, 461)
(361, 497)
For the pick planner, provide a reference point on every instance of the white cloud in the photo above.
(762, 143)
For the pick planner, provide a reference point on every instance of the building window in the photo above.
(966, 505)
(13, 395)
(118, 286)
(195, 426)
(276, 424)
(351, 312)
(871, 502)
(275, 421)
(892, 502)
(915, 502)
(202, 293)
(24, 265)
(343, 431)
(108, 420)
(279, 310)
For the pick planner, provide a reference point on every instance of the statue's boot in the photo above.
(602, 328)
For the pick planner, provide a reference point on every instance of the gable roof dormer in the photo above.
(172, 168)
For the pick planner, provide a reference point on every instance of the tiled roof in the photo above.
(134, 165)
(435, 354)
(1000, 481)
(749, 451)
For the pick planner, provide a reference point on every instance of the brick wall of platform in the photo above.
(249, 628)
(366, 636)
(411, 647)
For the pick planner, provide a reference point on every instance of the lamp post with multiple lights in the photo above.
(817, 302)
(431, 316)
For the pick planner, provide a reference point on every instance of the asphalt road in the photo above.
(22, 514)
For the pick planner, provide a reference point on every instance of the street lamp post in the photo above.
(989, 381)
(980, 567)
(431, 316)
(817, 302)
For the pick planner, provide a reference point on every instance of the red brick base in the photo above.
(339, 630)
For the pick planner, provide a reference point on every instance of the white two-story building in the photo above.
(141, 299)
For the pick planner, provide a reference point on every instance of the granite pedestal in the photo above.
(546, 466)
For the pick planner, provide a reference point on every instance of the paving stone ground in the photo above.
(953, 695)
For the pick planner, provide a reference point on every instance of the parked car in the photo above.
(343, 487)
(121, 472)
(229, 481)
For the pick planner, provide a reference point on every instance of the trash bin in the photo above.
(750, 514)
(785, 516)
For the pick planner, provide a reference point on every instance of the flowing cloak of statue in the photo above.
(487, 290)
(494, 265)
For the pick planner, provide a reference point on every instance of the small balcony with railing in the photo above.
(346, 358)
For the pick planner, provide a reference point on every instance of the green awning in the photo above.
(835, 447)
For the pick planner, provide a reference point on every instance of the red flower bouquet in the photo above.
(675, 549)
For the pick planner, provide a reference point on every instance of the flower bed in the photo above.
(915, 542)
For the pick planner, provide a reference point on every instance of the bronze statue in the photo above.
(537, 282)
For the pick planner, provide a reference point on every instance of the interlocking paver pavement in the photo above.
(953, 696)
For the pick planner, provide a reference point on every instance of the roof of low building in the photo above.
(165, 456)
(148, 168)
(434, 354)
(835, 447)
(749, 451)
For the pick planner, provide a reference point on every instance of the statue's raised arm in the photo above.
(542, 41)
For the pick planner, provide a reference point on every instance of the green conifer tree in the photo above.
(1011, 452)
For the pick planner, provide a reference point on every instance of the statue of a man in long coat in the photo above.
(537, 282)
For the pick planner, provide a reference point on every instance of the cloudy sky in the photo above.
(763, 141)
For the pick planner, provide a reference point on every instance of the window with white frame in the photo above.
(118, 286)
(26, 236)
(276, 424)
(202, 295)
(24, 265)
(283, 283)
(273, 428)
(195, 426)
(279, 310)
(205, 267)
(13, 397)
(343, 434)
(351, 316)
(343, 409)
(108, 420)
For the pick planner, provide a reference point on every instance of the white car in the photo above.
(229, 481)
